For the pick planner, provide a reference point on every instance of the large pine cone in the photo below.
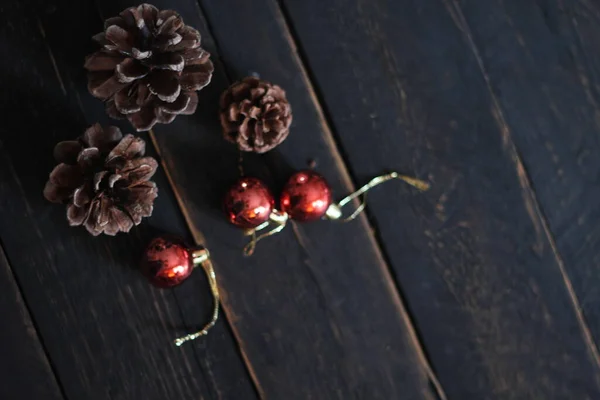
(150, 67)
(255, 114)
(104, 180)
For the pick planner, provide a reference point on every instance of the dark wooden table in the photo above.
(485, 287)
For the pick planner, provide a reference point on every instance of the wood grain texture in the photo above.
(403, 86)
(550, 99)
(495, 102)
(315, 311)
(107, 331)
(23, 357)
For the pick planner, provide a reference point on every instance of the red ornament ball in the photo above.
(167, 261)
(306, 196)
(248, 203)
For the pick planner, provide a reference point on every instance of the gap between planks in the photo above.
(27, 315)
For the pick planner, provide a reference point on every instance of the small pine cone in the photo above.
(104, 180)
(255, 114)
(149, 68)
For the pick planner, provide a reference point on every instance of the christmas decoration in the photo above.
(255, 115)
(248, 203)
(306, 197)
(149, 68)
(168, 261)
(104, 180)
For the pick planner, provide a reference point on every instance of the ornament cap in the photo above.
(199, 255)
(333, 212)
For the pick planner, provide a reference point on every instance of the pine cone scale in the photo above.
(98, 177)
(165, 85)
(67, 176)
(100, 38)
(192, 104)
(111, 110)
(190, 39)
(103, 88)
(126, 103)
(76, 215)
(91, 223)
(138, 171)
(103, 139)
(114, 178)
(145, 15)
(143, 120)
(56, 194)
(122, 40)
(179, 105)
(103, 60)
(81, 196)
(129, 147)
(171, 25)
(164, 117)
(169, 61)
(120, 222)
(195, 55)
(196, 76)
(89, 158)
(129, 70)
(66, 152)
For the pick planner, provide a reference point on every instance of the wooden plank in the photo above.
(315, 310)
(550, 99)
(107, 331)
(404, 90)
(23, 357)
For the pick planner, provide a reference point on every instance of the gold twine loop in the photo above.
(202, 257)
(335, 211)
(277, 218)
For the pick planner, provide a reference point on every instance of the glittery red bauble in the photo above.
(248, 203)
(167, 261)
(306, 196)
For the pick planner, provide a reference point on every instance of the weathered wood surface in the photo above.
(404, 87)
(485, 287)
(550, 102)
(23, 356)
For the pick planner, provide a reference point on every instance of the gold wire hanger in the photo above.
(201, 257)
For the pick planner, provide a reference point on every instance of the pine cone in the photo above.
(149, 68)
(255, 114)
(104, 180)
